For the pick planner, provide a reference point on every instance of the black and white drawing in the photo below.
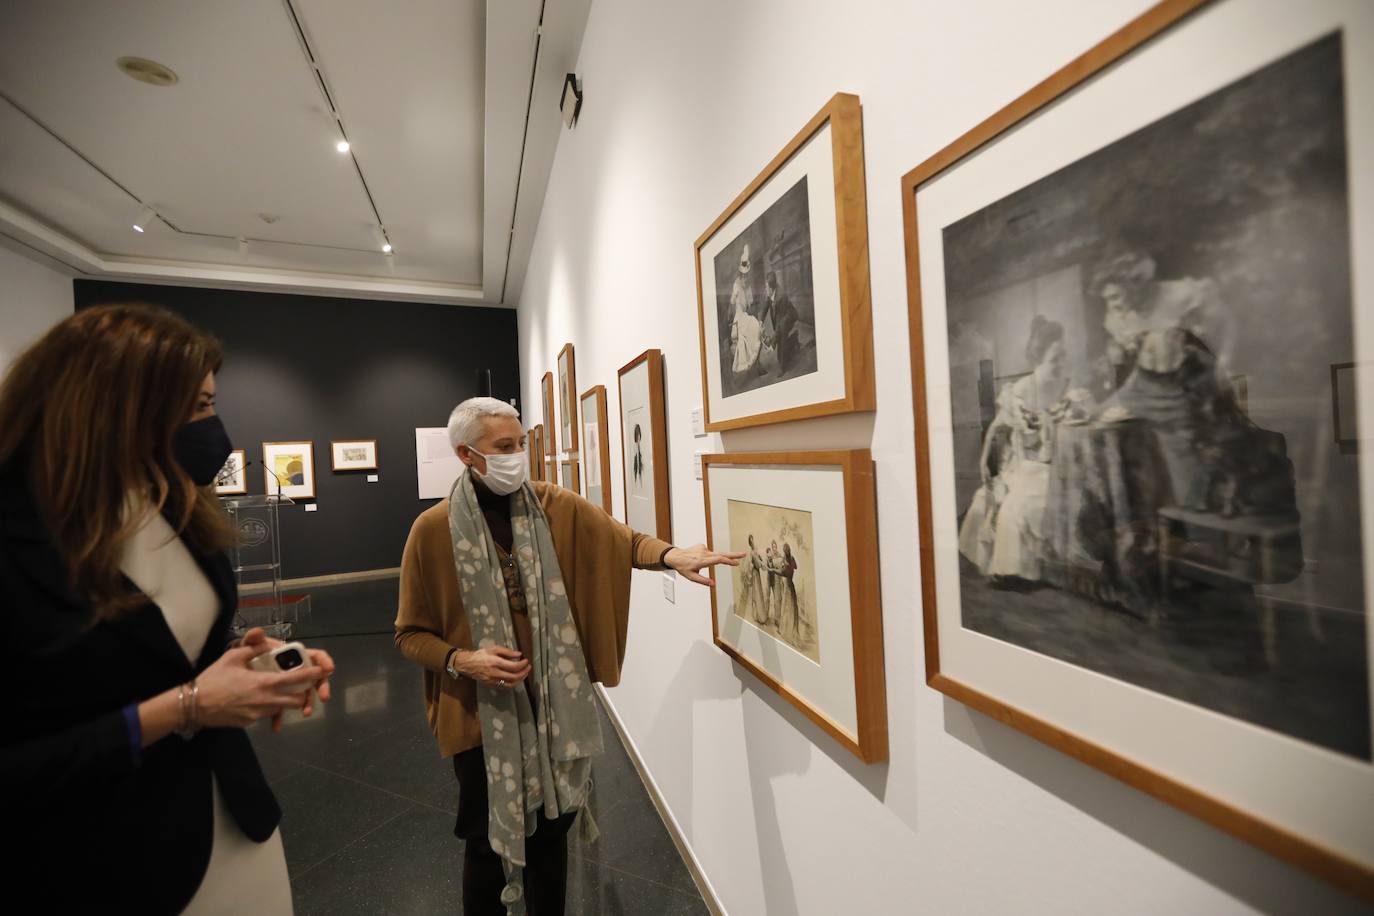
(765, 304)
(1148, 483)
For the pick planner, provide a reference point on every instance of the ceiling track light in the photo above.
(342, 146)
(379, 233)
(145, 219)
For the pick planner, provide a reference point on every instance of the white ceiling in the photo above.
(433, 95)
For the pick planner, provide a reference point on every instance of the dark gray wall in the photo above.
(304, 367)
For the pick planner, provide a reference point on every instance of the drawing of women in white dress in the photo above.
(746, 333)
(1028, 410)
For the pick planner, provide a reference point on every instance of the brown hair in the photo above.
(92, 407)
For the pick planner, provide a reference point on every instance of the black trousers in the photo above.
(546, 851)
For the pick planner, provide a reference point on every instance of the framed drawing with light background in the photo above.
(596, 446)
(537, 458)
(782, 284)
(644, 446)
(567, 398)
(570, 475)
(1139, 540)
(802, 610)
(550, 424)
(353, 454)
(289, 469)
(232, 479)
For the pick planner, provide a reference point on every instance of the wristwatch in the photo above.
(448, 664)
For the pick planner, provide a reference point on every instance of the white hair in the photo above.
(465, 423)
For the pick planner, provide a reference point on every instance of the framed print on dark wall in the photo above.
(644, 446)
(232, 479)
(567, 397)
(289, 469)
(782, 284)
(353, 455)
(1139, 540)
(550, 424)
(802, 611)
(596, 446)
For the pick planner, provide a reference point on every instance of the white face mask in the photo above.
(505, 473)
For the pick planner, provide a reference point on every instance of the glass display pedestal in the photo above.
(256, 556)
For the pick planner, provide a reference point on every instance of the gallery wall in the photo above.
(33, 297)
(684, 104)
(309, 368)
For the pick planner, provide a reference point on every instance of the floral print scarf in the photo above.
(534, 760)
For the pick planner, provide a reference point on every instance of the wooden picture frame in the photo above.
(550, 422)
(342, 457)
(296, 460)
(1129, 732)
(537, 461)
(570, 475)
(533, 453)
(551, 470)
(567, 397)
(833, 497)
(645, 488)
(792, 374)
(232, 480)
(597, 445)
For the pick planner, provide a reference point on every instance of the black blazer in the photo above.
(84, 824)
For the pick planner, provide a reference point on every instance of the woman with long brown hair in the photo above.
(127, 779)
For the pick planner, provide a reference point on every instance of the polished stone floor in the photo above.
(368, 804)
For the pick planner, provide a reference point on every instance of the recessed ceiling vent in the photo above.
(147, 71)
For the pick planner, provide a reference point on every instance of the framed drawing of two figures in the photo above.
(782, 284)
(1141, 541)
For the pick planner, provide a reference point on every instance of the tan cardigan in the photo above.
(595, 555)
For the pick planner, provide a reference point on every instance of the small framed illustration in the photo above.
(567, 398)
(569, 475)
(802, 610)
(289, 469)
(354, 454)
(782, 284)
(596, 446)
(644, 446)
(537, 459)
(232, 479)
(550, 424)
(1140, 540)
(533, 453)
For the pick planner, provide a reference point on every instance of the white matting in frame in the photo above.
(828, 685)
(1297, 798)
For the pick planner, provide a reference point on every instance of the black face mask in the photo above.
(201, 448)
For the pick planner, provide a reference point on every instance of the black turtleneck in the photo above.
(496, 510)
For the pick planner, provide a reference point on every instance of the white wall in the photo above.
(685, 103)
(33, 297)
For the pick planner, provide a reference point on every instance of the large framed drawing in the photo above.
(802, 611)
(289, 469)
(550, 424)
(596, 446)
(644, 446)
(782, 284)
(567, 397)
(1139, 541)
(231, 479)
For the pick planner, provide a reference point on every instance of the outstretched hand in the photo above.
(690, 561)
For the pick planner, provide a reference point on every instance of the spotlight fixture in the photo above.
(386, 248)
(146, 71)
(379, 233)
(342, 146)
(570, 104)
(145, 217)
